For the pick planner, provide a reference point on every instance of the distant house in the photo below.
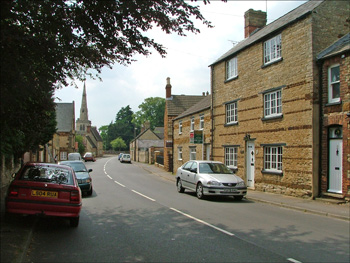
(265, 98)
(192, 133)
(334, 63)
(174, 106)
(142, 148)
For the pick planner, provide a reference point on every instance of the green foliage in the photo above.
(81, 147)
(46, 44)
(118, 144)
(152, 110)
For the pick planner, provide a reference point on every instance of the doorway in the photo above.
(335, 172)
(250, 163)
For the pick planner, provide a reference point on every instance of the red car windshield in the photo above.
(47, 174)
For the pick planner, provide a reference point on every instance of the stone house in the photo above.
(142, 148)
(334, 63)
(192, 133)
(174, 106)
(265, 98)
(63, 141)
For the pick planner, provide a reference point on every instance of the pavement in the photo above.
(16, 232)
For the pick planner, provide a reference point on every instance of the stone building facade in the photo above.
(174, 106)
(266, 108)
(195, 120)
(334, 63)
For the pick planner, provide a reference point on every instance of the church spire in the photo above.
(83, 109)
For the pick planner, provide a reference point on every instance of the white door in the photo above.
(250, 163)
(335, 165)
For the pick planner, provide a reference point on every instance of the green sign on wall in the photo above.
(196, 137)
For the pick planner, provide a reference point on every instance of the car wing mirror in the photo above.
(194, 170)
(90, 170)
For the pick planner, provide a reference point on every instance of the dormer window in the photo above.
(231, 68)
(273, 49)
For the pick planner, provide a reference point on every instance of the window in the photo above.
(273, 49)
(231, 113)
(180, 127)
(201, 122)
(273, 104)
(192, 124)
(231, 68)
(334, 84)
(273, 158)
(179, 151)
(231, 157)
(192, 153)
(63, 156)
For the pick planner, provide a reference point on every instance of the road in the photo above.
(137, 216)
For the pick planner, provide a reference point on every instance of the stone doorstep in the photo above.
(332, 198)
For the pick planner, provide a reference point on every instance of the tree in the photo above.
(118, 144)
(45, 44)
(123, 124)
(152, 110)
(81, 147)
(104, 133)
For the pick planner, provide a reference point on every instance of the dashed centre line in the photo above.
(145, 196)
(119, 184)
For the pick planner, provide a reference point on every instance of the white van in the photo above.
(74, 156)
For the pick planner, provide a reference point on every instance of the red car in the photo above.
(45, 189)
(89, 157)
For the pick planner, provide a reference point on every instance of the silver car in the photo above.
(209, 178)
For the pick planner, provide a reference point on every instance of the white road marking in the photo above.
(203, 222)
(119, 184)
(109, 177)
(293, 260)
(143, 195)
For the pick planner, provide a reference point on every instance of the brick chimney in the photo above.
(253, 20)
(168, 88)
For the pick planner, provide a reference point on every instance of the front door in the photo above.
(250, 163)
(335, 165)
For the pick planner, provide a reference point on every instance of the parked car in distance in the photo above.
(120, 156)
(74, 156)
(82, 174)
(45, 189)
(89, 157)
(126, 158)
(209, 178)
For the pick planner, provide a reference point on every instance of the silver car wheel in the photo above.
(180, 189)
(199, 191)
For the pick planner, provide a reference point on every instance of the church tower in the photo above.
(83, 124)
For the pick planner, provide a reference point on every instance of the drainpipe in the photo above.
(320, 92)
(212, 111)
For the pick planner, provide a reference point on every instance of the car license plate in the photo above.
(230, 191)
(41, 193)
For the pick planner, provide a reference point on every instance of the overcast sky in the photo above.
(186, 63)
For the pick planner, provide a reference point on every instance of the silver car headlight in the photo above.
(240, 184)
(214, 183)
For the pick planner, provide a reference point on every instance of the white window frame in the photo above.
(231, 154)
(273, 156)
(273, 49)
(179, 155)
(192, 124)
(231, 68)
(180, 127)
(273, 104)
(333, 82)
(201, 122)
(193, 153)
(63, 156)
(232, 113)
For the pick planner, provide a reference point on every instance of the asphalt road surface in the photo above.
(135, 216)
